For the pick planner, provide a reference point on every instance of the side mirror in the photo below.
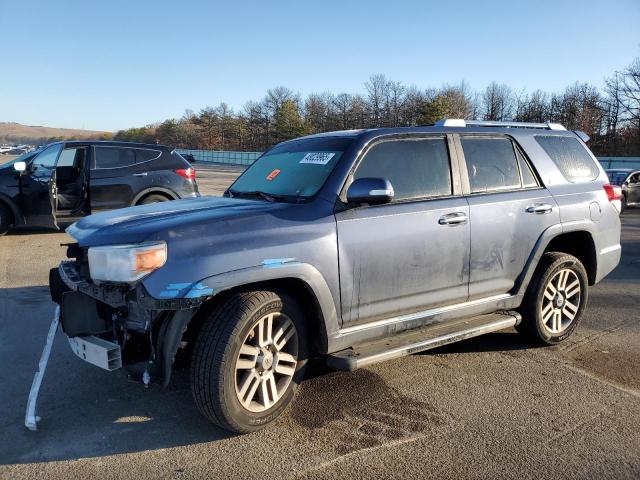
(373, 191)
(20, 167)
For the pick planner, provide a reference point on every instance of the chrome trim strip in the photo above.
(508, 321)
(426, 313)
(610, 249)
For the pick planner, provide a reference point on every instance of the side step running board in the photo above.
(414, 341)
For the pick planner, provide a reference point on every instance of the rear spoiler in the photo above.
(583, 136)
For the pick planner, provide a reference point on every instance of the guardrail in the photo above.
(247, 158)
(620, 162)
(218, 156)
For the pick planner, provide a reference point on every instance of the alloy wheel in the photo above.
(267, 362)
(561, 301)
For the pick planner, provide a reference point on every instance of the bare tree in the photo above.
(378, 91)
(630, 92)
(342, 104)
(498, 102)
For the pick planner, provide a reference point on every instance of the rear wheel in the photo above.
(248, 360)
(623, 203)
(555, 300)
(153, 198)
(5, 219)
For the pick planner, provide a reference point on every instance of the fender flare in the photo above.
(18, 218)
(541, 245)
(304, 272)
(151, 190)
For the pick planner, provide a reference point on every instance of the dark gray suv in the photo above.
(355, 246)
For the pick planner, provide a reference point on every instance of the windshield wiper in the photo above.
(269, 197)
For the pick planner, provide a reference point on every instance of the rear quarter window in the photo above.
(144, 155)
(570, 156)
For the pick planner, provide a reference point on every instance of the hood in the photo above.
(137, 224)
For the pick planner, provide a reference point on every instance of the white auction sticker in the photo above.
(317, 158)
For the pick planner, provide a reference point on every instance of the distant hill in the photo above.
(11, 132)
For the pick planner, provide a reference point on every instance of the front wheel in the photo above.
(555, 300)
(248, 360)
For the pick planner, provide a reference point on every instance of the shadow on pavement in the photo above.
(88, 412)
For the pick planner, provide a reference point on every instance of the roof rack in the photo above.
(459, 122)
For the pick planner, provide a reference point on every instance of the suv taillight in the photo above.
(614, 194)
(188, 173)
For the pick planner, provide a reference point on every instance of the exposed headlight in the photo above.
(126, 263)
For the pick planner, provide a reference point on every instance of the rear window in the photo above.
(114, 157)
(570, 156)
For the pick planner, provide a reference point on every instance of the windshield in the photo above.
(294, 169)
(617, 178)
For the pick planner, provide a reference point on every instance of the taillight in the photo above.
(188, 173)
(614, 192)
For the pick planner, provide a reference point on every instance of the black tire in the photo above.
(623, 204)
(213, 366)
(153, 198)
(533, 326)
(5, 219)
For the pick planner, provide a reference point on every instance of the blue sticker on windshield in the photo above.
(317, 158)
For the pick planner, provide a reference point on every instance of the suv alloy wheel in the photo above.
(555, 299)
(248, 360)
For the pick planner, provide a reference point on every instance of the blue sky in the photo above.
(117, 64)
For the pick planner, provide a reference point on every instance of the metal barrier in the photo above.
(247, 158)
(620, 162)
(215, 156)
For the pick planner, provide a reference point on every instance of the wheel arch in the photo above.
(301, 281)
(165, 192)
(16, 215)
(581, 245)
(575, 239)
(294, 287)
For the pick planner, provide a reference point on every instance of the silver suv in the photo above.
(356, 246)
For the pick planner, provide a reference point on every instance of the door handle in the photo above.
(457, 218)
(143, 174)
(539, 208)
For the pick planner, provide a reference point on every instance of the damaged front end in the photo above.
(113, 325)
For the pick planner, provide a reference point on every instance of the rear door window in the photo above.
(114, 157)
(491, 164)
(570, 156)
(416, 168)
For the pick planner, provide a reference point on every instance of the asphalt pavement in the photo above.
(489, 407)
